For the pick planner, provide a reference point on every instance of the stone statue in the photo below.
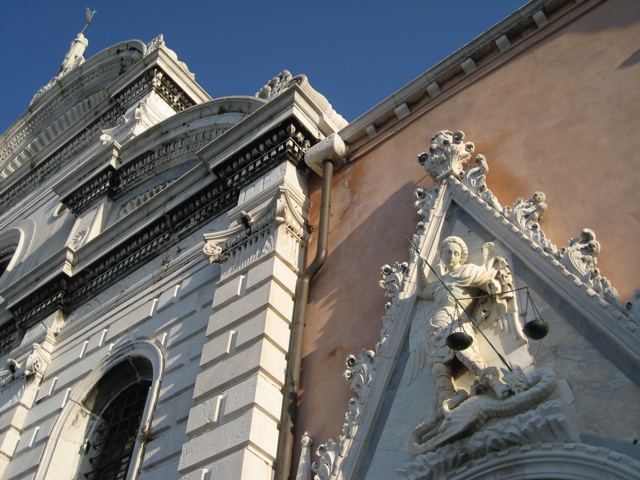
(78, 47)
(463, 281)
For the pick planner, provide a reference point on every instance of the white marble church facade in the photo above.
(110, 180)
(155, 244)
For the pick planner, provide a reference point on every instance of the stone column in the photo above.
(233, 429)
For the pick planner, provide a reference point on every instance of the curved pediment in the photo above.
(63, 101)
(176, 140)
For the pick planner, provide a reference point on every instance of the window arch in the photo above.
(549, 461)
(101, 433)
(10, 248)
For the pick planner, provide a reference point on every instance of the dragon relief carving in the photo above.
(525, 392)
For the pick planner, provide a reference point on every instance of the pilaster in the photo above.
(19, 386)
(233, 428)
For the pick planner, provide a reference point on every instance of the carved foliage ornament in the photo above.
(277, 85)
(447, 157)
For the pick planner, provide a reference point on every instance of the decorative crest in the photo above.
(275, 86)
(447, 155)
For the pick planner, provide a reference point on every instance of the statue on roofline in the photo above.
(79, 45)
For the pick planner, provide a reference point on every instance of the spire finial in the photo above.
(78, 46)
(89, 13)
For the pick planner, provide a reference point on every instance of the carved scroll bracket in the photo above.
(274, 220)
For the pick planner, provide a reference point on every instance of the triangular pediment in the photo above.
(395, 383)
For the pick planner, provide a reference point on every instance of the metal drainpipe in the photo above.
(334, 150)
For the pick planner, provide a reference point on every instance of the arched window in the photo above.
(117, 405)
(6, 254)
(103, 429)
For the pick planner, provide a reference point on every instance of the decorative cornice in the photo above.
(255, 230)
(66, 291)
(520, 28)
(57, 160)
(107, 64)
(154, 79)
(106, 182)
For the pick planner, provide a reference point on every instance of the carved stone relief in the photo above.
(254, 233)
(496, 409)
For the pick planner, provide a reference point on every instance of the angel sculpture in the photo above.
(453, 292)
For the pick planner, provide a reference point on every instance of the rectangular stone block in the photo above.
(96, 341)
(46, 387)
(194, 324)
(204, 276)
(266, 323)
(166, 471)
(246, 464)
(269, 294)
(23, 466)
(47, 408)
(204, 415)
(262, 355)
(176, 358)
(228, 292)
(9, 441)
(252, 428)
(129, 321)
(168, 297)
(218, 348)
(257, 390)
(164, 448)
(69, 374)
(272, 268)
(178, 382)
(34, 434)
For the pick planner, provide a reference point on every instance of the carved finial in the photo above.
(75, 54)
(275, 86)
(447, 155)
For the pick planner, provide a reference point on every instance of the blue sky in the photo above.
(355, 52)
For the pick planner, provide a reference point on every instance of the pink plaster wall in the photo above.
(561, 116)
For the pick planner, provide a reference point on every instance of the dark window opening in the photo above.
(111, 447)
